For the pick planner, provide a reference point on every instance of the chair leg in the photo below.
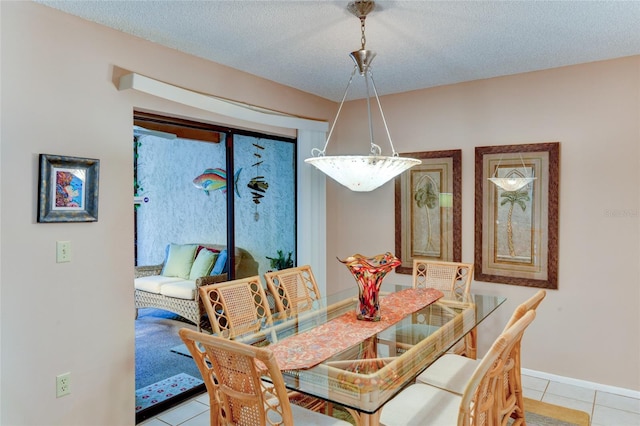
(471, 344)
(330, 409)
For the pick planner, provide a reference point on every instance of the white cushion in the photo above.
(421, 405)
(183, 289)
(451, 372)
(302, 416)
(153, 283)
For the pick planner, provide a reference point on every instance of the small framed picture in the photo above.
(68, 189)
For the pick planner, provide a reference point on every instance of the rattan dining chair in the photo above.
(245, 385)
(421, 404)
(236, 307)
(241, 306)
(453, 279)
(451, 372)
(294, 289)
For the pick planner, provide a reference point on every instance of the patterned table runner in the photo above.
(314, 346)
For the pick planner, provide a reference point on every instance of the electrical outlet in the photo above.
(63, 251)
(63, 384)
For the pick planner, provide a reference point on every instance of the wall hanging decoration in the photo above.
(257, 184)
(68, 189)
(215, 179)
(429, 209)
(516, 224)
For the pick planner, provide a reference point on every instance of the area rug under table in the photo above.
(164, 389)
(540, 413)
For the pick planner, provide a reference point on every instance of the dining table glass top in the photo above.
(325, 353)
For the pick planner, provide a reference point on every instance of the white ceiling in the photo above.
(420, 44)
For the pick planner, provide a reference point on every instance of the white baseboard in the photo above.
(582, 383)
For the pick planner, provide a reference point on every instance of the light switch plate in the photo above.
(63, 251)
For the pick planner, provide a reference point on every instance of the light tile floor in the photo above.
(605, 409)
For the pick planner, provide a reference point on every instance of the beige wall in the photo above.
(588, 329)
(58, 98)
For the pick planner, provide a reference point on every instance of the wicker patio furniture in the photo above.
(183, 298)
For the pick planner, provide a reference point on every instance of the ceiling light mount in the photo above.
(362, 173)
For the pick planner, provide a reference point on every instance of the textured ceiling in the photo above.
(419, 44)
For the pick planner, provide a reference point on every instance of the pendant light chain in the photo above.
(363, 38)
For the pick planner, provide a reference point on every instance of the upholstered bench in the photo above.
(173, 285)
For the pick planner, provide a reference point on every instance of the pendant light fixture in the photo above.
(362, 173)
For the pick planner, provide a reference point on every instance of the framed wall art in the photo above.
(516, 215)
(68, 189)
(428, 209)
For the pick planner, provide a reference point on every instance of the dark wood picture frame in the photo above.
(516, 231)
(68, 189)
(435, 186)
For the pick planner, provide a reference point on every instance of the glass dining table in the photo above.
(325, 353)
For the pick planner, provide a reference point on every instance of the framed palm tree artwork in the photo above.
(428, 209)
(516, 215)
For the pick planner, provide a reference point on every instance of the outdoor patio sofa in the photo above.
(173, 284)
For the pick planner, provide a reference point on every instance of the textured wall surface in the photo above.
(178, 212)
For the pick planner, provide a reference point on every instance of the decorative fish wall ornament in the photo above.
(215, 179)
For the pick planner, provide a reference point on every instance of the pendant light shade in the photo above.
(362, 173)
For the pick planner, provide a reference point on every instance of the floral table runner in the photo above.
(314, 346)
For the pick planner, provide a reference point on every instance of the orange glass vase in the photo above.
(369, 273)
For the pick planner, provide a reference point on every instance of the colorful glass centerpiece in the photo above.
(369, 273)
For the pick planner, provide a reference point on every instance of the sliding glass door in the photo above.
(195, 183)
(265, 202)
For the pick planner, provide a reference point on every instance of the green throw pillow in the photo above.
(179, 260)
(203, 264)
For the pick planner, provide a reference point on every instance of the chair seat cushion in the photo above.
(183, 289)
(421, 405)
(153, 283)
(451, 372)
